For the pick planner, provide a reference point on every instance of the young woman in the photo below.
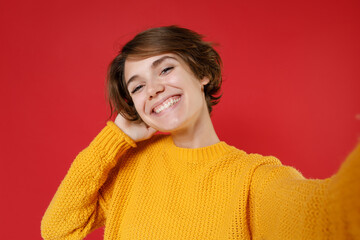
(189, 184)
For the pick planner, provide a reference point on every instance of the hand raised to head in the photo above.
(135, 130)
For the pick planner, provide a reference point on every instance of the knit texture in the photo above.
(155, 190)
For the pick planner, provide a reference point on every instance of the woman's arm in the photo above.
(78, 207)
(285, 205)
(344, 199)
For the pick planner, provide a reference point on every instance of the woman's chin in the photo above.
(167, 128)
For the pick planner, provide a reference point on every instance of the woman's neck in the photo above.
(199, 134)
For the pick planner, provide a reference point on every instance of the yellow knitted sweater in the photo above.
(155, 190)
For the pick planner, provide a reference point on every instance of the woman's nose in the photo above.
(155, 87)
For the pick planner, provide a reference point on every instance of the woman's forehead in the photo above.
(150, 59)
(134, 65)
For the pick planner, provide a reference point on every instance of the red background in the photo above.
(291, 85)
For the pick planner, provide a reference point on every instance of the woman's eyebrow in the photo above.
(160, 60)
(153, 65)
(131, 79)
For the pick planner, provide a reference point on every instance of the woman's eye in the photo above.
(166, 70)
(136, 89)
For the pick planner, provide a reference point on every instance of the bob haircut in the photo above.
(199, 55)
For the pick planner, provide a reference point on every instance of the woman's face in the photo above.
(165, 92)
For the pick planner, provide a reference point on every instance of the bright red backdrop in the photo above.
(291, 84)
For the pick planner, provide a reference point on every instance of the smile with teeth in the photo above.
(166, 104)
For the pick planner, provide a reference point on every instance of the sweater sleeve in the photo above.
(79, 206)
(285, 205)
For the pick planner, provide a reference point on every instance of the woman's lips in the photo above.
(166, 104)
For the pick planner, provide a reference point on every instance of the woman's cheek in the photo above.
(141, 106)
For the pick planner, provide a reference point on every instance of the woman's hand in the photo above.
(136, 131)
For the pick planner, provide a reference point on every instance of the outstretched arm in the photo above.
(285, 205)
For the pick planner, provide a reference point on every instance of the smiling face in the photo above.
(165, 92)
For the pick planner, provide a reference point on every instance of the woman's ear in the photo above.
(204, 81)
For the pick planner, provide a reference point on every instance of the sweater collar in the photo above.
(196, 155)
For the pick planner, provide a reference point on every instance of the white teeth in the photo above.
(166, 105)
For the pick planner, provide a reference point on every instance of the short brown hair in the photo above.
(199, 55)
